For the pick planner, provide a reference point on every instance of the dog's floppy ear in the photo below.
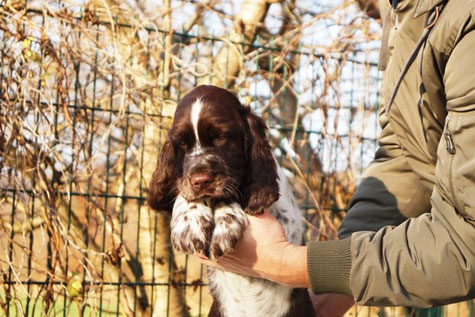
(261, 188)
(161, 191)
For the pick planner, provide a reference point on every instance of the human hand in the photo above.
(265, 252)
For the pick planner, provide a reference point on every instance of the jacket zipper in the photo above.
(451, 149)
(448, 139)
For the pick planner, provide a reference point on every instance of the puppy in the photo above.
(215, 167)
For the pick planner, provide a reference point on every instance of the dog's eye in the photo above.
(218, 138)
(183, 144)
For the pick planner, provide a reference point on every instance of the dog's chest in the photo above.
(238, 295)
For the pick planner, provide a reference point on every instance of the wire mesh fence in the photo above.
(88, 91)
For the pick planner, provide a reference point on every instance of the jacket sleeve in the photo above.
(430, 260)
(389, 192)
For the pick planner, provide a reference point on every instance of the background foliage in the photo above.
(87, 93)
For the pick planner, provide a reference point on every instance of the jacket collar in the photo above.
(424, 6)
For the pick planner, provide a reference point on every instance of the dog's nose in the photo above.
(201, 180)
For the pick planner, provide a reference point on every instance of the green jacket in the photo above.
(411, 223)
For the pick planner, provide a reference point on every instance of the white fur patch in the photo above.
(195, 116)
(248, 296)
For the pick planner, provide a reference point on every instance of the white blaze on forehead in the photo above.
(195, 115)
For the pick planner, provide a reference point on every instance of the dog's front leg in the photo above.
(191, 225)
(230, 222)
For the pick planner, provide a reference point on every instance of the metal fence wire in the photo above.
(87, 95)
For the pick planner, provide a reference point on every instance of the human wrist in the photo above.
(290, 266)
(296, 264)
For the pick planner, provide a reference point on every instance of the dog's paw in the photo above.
(191, 226)
(230, 221)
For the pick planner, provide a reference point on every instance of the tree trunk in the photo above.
(229, 60)
(152, 248)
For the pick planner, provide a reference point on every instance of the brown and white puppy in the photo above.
(215, 166)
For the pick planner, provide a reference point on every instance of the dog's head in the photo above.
(215, 149)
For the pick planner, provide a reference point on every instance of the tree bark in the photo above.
(229, 60)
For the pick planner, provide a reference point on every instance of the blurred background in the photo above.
(88, 91)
